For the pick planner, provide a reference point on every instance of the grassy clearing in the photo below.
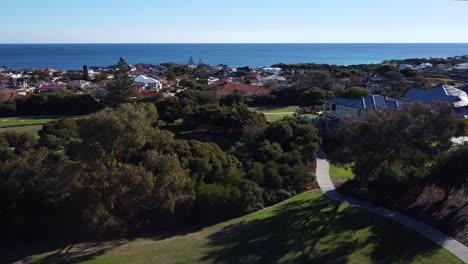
(276, 117)
(307, 229)
(341, 172)
(27, 124)
(272, 110)
(18, 121)
(33, 129)
(276, 113)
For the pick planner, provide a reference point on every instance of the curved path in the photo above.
(327, 187)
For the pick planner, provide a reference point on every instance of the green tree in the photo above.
(169, 109)
(356, 92)
(315, 78)
(234, 98)
(122, 87)
(383, 69)
(110, 139)
(85, 73)
(171, 183)
(315, 96)
(451, 172)
(57, 134)
(395, 77)
(393, 136)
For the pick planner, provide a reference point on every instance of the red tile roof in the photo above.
(231, 87)
(8, 94)
(147, 93)
(53, 86)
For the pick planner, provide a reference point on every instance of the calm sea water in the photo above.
(73, 56)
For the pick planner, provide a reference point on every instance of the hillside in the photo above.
(308, 228)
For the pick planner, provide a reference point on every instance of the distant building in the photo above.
(462, 67)
(339, 108)
(272, 70)
(406, 67)
(445, 93)
(52, 87)
(148, 83)
(79, 84)
(424, 66)
(457, 98)
(228, 87)
(10, 94)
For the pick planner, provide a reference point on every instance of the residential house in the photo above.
(457, 98)
(148, 93)
(228, 87)
(52, 87)
(406, 67)
(272, 70)
(271, 79)
(79, 84)
(443, 93)
(339, 108)
(424, 66)
(462, 67)
(10, 94)
(148, 83)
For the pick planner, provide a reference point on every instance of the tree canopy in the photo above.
(388, 136)
(122, 87)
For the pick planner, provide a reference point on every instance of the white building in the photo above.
(148, 83)
(272, 70)
(406, 67)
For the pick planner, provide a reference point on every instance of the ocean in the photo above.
(74, 56)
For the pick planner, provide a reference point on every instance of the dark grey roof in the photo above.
(374, 102)
(444, 93)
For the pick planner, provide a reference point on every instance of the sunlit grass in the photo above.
(306, 229)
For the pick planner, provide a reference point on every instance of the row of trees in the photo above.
(117, 173)
(59, 103)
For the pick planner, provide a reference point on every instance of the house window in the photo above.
(333, 107)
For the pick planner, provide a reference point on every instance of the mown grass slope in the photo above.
(306, 229)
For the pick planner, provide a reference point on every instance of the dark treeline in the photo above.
(118, 173)
(50, 104)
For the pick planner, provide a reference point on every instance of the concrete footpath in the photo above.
(327, 187)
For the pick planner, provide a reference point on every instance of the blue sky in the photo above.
(238, 21)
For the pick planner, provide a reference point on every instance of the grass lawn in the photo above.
(311, 116)
(33, 129)
(307, 229)
(27, 124)
(276, 113)
(18, 121)
(272, 110)
(275, 117)
(341, 173)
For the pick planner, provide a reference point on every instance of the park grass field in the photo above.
(20, 121)
(27, 124)
(341, 172)
(276, 113)
(306, 229)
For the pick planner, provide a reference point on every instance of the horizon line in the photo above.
(216, 43)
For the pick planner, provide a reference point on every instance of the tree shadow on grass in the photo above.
(316, 231)
(65, 253)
